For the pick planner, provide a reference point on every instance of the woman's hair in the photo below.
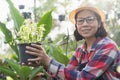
(101, 32)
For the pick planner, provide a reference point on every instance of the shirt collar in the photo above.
(84, 46)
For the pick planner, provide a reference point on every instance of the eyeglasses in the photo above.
(89, 20)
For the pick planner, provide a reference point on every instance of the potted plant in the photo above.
(18, 21)
(46, 21)
(12, 39)
(29, 33)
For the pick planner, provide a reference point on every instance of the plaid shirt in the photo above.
(101, 60)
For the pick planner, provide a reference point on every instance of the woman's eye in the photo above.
(80, 20)
(90, 18)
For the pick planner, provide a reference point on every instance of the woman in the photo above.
(96, 59)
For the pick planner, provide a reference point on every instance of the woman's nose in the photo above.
(85, 22)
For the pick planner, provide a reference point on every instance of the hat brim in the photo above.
(94, 9)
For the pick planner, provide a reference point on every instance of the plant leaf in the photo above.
(47, 20)
(25, 71)
(8, 72)
(6, 32)
(35, 71)
(16, 16)
(14, 65)
(8, 37)
(57, 54)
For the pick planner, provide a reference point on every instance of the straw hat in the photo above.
(86, 7)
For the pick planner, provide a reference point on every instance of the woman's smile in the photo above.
(87, 24)
(85, 30)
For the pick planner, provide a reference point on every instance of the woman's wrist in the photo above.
(46, 65)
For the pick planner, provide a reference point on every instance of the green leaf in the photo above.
(22, 71)
(35, 71)
(8, 72)
(57, 54)
(14, 65)
(8, 37)
(25, 71)
(6, 32)
(47, 20)
(15, 57)
(16, 16)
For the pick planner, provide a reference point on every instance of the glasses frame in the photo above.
(89, 20)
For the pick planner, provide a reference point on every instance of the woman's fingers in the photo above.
(39, 52)
(34, 64)
(34, 59)
(36, 46)
(32, 49)
(34, 53)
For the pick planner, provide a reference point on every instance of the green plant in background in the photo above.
(46, 19)
(11, 39)
(18, 72)
(57, 53)
(45, 24)
(8, 37)
(116, 37)
(18, 20)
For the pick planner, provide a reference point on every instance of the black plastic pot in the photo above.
(22, 55)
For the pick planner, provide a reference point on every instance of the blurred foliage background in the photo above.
(62, 30)
(59, 43)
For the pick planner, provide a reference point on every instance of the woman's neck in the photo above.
(89, 43)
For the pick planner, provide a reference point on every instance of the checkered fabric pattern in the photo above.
(101, 60)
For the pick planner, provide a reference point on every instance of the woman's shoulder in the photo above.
(107, 41)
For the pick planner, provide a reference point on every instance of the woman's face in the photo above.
(87, 24)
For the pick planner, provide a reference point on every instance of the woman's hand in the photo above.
(41, 57)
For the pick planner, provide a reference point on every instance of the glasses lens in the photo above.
(80, 21)
(90, 19)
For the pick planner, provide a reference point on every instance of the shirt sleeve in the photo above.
(104, 56)
(57, 69)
